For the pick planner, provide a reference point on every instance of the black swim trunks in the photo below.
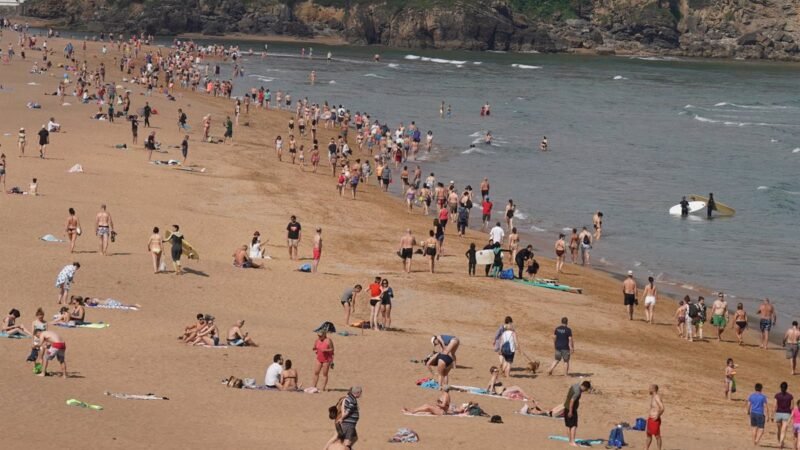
(630, 300)
(406, 253)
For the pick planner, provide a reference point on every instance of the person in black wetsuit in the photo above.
(712, 205)
(176, 240)
(684, 207)
(522, 257)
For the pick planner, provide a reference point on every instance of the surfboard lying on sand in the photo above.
(722, 209)
(694, 207)
(484, 256)
(188, 249)
(551, 284)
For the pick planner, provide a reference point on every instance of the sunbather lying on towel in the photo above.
(535, 410)
(441, 407)
(513, 392)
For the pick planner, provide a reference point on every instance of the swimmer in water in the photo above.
(488, 138)
(543, 144)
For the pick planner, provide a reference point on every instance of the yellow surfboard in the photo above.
(188, 249)
(722, 209)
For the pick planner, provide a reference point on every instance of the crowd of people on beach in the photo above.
(381, 150)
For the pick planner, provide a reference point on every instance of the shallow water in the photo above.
(628, 136)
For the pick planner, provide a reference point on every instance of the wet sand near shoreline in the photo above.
(245, 189)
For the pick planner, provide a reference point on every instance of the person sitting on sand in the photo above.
(190, 332)
(242, 260)
(62, 318)
(444, 364)
(257, 249)
(53, 126)
(237, 338)
(208, 335)
(78, 313)
(10, 328)
(512, 392)
(441, 408)
(288, 380)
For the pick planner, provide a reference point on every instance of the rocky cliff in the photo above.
(710, 28)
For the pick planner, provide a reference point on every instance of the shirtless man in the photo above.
(52, 347)
(719, 315)
(654, 418)
(484, 188)
(238, 338)
(407, 243)
(190, 332)
(317, 250)
(242, 260)
(790, 342)
(629, 293)
(441, 408)
(104, 227)
(561, 250)
(766, 311)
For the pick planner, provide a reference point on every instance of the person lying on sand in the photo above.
(10, 327)
(441, 408)
(94, 302)
(497, 388)
(238, 338)
(190, 332)
(535, 410)
(242, 260)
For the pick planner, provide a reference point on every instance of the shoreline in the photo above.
(246, 189)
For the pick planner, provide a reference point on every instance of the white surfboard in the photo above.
(484, 256)
(693, 208)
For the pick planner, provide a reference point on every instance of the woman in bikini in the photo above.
(72, 229)
(314, 158)
(740, 319)
(513, 243)
(650, 295)
(510, 210)
(573, 245)
(512, 392)
(561, 249)
(155, 249)
(288, 380)
(78, 313)
(323, 347)
(429, 248)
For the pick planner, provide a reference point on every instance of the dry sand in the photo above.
(246, 189)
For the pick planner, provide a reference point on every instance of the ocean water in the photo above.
(628, 136)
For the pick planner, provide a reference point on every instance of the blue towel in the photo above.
(430, 384)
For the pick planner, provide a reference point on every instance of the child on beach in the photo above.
(730, 378)
(472, 259)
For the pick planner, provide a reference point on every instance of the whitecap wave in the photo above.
(374, 75)
(393, 65)
(537, 229)
(797, 150)
(761, 107)
(412, 57)
(525, 66)
(477, 150)
(762, 188)
(520, 215)
(730, 123)
(332, 82)
(619, 77)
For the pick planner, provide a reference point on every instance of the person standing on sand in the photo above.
(790, 343)
(680, 317)
(44, 139)
(486, 208)
(585, 241)
(406, 251)
(630, 293)
(348, 300)
(146, 112)
(21, 141)
(769, 318)
(654, 418)
(571, 408)
(134, 130)
(346, 423)
(758, 410)
(783, 412)
(565, 346)
(498, 334)
(719, 315)
(185, 148)
(323, 347)
(73, 229)
(293, 236)
(51, 346)
(228, 137)
(650, 295)
(740, 322)
(155, 249)
(176, 241)
(561, 250)
(730, 378)
(104, 228)
(573, 245)
(317, 250)
(702, 315)
(64, 281)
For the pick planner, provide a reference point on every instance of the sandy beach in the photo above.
(243, 189)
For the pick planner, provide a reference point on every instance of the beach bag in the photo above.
(616, 438)
(586, 240)
(505, 349)
(507, 274)
(640, 425)
(693, 311)
(305, 268)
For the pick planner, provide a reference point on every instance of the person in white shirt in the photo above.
(496, 234)
(273, 376)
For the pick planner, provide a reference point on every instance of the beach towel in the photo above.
(430, 384)
(305, 268)
(50, 238)
(193, 169)
(77, 168)
(135, 396)
(479, 391)
(404, 435)
(581, 442)
(427, 414)
(13, 336)
(170, 162)
(93, 325)
(75, 402)
(110, 303)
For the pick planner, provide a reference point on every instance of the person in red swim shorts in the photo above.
(654, 418)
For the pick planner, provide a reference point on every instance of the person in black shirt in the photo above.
(146, 113)
(185, 147)
(562, 337)
(522, 257)
(293, 237)
(44, 139)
